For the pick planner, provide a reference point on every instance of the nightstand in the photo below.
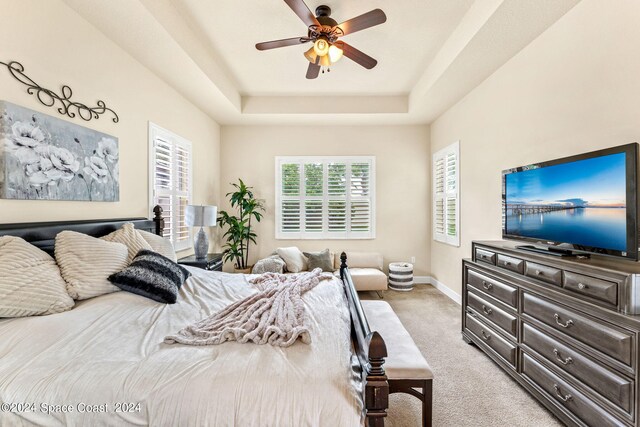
(212, 262)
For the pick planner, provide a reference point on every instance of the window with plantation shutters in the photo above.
(170, 182)
(325, 197)
(446, 195)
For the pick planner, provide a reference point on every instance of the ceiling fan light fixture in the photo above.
(324, 61)
(311, 55)
(321, 47)
(335, 53)
(314, 58)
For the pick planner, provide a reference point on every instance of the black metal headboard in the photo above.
(43, 234)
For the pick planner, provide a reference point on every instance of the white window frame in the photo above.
(325, 160)
(156, 132)
(450, 152)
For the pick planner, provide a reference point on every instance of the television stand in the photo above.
(550, 251)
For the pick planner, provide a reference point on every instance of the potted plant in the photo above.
(239, 234)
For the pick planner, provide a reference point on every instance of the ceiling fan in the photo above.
(324, 32)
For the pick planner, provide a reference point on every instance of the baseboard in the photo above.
(422, 280)
(428, 280)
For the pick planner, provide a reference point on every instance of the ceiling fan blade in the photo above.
(313, 71)
(366, 20)
(281, 43)
(357, 56)
(303, 12)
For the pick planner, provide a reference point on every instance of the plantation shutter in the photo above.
(182, 194)
(162, 161)
(319, 198)
(446, 195)
(336, 197)
(313, 197)
(290, 189)
(170, 168)
(360, 212)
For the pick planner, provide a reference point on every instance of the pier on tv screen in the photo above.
(581, 202)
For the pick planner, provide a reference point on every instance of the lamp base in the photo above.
(201, 244)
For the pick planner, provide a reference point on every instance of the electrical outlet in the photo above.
(413, 260)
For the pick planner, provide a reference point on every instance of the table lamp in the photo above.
(200, 216)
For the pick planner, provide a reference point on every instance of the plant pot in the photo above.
(243, 270)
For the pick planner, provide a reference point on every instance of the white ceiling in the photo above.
(430, 54)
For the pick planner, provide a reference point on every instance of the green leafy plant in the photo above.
(239, 234)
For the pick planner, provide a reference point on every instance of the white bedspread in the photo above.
(108, 351)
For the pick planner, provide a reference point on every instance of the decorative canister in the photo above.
(401, 276)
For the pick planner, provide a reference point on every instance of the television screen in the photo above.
(584, 203)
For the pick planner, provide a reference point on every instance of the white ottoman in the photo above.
(401, 276)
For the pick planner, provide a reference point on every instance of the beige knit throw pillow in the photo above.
(131, 238)
(86, 262)
(30, 281)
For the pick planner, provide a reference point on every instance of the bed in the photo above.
(104, 362)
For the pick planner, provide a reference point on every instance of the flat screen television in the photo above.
(575, 205)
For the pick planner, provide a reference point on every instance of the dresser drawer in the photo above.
(543, 273)
(492, 312)
(510, 263)
(599, 289)
(598, 334)
(486, 334)
(501, 291)
(565, 395)
(616, 388)
(485, 256)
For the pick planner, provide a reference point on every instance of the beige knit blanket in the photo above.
(274, 315)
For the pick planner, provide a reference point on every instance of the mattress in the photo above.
(105, 363)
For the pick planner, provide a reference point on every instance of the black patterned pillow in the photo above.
(153, 276)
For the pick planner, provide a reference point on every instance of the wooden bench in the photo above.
(406, 368)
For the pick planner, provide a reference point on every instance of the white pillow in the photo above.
(160, 245)
(131, 238)
(86, 262)
(293, 258)
(30, 281)
(272, 264)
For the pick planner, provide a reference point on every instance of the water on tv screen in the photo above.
(581, 202)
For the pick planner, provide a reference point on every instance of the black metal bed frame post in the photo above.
(158, 219)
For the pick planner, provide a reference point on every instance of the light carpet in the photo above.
(468, 388)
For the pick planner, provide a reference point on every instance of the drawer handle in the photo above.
(485, 336)
(559, 358)
(507, 263)
(486, 310)
(539, 273)
(565, 324)
(565, 398)
(582, 286)
(486, 285)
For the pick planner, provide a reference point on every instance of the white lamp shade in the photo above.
(200, 216)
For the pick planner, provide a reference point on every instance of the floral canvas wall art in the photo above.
(46, 158)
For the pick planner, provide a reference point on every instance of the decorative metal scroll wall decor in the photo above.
(48, 97)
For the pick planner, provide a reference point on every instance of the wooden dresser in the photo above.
(559, 327)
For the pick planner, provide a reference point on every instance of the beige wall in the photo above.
(574, 89)
(58, 47)
(402, 181)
